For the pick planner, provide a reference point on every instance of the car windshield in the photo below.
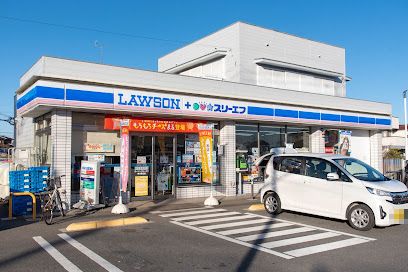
(360, 170)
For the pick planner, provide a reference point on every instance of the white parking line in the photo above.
(89, 253)
(208, 215)
(216, 220)
(61, 259)
(298, 240)
(192, 212)
(273, 234)
(256, 228)
(325, 247)
(318, 228)
(181, 210)
(235, 224)
(234, 240)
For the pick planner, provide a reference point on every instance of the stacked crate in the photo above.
(33, 180)
(39, 176)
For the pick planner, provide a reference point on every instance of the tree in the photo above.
(393, 153)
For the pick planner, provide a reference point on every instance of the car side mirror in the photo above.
(333, 176)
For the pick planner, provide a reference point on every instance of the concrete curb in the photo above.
(90, 225)
(256, 207)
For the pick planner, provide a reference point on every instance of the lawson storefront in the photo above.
(178, 134)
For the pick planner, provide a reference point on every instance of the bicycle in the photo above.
(52, 200)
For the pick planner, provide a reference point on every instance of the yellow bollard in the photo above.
(34, 201)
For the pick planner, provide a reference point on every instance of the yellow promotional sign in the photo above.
(141, 185)
(206, 150)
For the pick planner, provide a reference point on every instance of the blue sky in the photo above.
(374, 33)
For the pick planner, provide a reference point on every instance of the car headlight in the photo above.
(378, 192)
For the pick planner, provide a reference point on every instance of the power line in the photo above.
(100, 31)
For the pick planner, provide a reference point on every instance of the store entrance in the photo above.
(152, 166)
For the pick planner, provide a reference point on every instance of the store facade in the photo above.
(67, 121)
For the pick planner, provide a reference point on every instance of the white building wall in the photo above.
(360, 145)
(227, 161)
(257, 42)
(25, 128)
(376, 155)
(61, 131)
(226, 39)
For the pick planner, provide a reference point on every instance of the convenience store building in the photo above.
(251, 89)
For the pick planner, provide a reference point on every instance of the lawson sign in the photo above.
(195, 105)
(84, 96)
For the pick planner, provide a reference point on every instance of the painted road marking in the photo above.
(318, 228)
(208, 215)
(89, 253)
(325, 247)
(298, 240)
(235, 224)
(192, 212)
(269, 228)
(262, 236)
(234, 240)
(181, 210)
(216, 220)
(61, 259)
(253, 229)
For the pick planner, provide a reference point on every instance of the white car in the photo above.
(333, 186)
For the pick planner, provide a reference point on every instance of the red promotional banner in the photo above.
(155, 125)
(124, 158)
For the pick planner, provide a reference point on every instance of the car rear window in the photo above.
(293, 165)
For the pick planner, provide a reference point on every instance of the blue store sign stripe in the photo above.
(330, 117)
(309, 115)
(41, 92)
(260, 111)
(108, 98)
(349, 119)
(366, 120)
(286, 113)
(87, 96)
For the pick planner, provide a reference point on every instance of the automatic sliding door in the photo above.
(141, 166)
(164, 165)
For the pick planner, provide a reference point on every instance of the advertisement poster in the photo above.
(89, 181)
(141, 159)
(344, 142)
(206, 144)
(337, 142)
(163, 181)
(124, 158)
(141, 185)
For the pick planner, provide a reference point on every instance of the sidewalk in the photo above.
(142, 208)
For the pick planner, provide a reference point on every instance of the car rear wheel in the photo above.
(361, 217)
(272, 203)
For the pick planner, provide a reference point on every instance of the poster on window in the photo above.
(344, 142)
(206, 152)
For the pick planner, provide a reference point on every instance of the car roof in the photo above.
(315, 155)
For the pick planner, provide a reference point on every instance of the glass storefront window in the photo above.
(43, 139)
(299, 137)
(188, 158)
(270, 137)
(253, 141)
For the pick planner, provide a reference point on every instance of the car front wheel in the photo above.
(272, 203)
(361, 217)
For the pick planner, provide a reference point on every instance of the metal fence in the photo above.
(393, 168)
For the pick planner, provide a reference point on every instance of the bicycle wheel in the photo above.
(48, 212)
(60, 205)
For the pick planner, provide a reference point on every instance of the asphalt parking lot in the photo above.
(188, 237)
